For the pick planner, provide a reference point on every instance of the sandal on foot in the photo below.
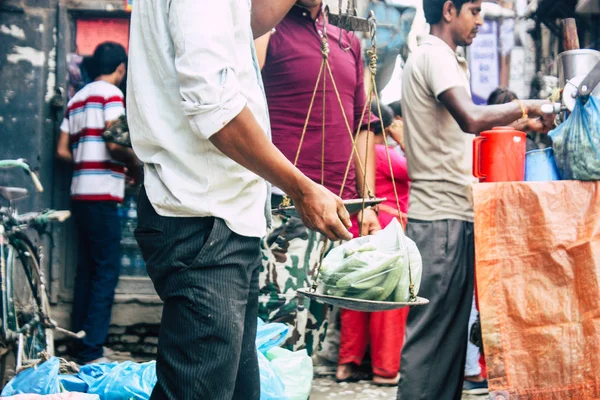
(389, 382)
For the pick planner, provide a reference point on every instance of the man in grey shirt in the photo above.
(440, 122)
(199, 122)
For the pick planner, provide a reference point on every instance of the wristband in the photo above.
(520, 103)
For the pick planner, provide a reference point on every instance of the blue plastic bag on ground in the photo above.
(91, 372)
(295, 370)
(576, 142)
(73, 383)
(270, 335)
(127, 380)
(42, 379)
(271, 386)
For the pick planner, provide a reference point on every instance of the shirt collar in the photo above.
(303, 12)
(432, 40)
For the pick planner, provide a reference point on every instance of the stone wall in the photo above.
(136, 342)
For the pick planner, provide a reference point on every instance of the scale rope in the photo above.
(324, 72)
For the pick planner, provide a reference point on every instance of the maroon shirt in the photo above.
(290, 74)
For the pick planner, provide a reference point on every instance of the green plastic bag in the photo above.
(295, 370)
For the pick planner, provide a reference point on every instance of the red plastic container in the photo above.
(499, 155)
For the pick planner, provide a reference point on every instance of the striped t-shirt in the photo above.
(96, 175)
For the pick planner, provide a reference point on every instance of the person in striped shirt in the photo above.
(98, 184)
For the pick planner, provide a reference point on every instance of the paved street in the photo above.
(325, 388)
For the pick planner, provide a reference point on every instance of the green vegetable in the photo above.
(371, 294)
(364, 273)
(349, 252)
(391, 282)
(402, 292)
(367, 247)
(376, 280)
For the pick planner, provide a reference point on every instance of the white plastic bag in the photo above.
(373, 267)
(295, 370)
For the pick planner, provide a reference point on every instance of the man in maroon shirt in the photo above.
(290, 58)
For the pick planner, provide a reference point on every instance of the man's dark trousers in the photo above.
(97, 275)
(434, 354)
(207, 277)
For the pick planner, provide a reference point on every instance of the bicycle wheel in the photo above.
(26, 300)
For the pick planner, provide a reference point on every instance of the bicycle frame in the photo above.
(15, 247)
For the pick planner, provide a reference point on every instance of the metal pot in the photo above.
(574, 63)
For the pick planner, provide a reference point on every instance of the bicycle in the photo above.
(26, 328)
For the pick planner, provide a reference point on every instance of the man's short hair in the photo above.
(387, 115)
(396, 106)
(106, 59)
(434, 9)
(501, 96)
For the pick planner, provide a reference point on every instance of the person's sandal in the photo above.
(353, 376)
(381, 381)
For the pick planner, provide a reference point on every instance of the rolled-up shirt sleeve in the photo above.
(202, 34)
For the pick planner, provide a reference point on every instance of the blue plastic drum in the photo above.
(540, 166)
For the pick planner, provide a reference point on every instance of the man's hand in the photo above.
(368, 221)
(476, 119)
(322, 211)
(244, 141)
(134, 174)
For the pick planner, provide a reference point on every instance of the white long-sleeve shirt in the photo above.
(192, 69)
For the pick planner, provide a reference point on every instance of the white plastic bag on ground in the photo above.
(295, 370)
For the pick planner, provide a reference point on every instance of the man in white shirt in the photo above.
(199, 122)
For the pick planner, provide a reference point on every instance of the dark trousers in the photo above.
(433, 358)
(207, 277)
(97, 275)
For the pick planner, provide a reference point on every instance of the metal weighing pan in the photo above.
(353, 206)
(360, 305)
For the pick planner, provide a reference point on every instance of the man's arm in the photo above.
(244, 141)
(217, 110)
(63, 148)
(369, 223)
(476, 119)
(266, 14)
(368, 151)
(368, 219)
(262, 46)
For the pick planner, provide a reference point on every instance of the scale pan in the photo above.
(360, 305)
(353, 206)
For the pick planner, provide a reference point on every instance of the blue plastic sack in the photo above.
(127, 380)
(88, 374)
(42, 379)
(271, 386)
(577, 142)
(73, 383)
(270, 335)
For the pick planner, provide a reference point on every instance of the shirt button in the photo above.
(304, 14)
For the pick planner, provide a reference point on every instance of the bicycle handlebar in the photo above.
(43, 218)
(21, 163)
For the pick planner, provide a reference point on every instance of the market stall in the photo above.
(538, 277)
(538, 245)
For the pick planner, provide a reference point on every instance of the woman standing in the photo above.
(384, 331)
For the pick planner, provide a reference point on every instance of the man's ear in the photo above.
(449, 11)
(121, 69)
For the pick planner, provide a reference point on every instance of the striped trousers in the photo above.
(207, 277)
